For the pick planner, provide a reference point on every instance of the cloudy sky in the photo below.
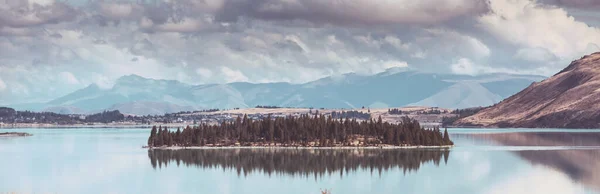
(51, 47)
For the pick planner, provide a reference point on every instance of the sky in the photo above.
(49, 48)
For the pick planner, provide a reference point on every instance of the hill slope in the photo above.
(569, 99)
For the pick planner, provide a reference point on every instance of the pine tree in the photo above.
(447, 137)
(158, 138)
(177, 137)
(152, 135)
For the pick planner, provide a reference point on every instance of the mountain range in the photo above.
(395, 87)
(569, 99)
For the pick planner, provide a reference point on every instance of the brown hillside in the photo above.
(569, 99)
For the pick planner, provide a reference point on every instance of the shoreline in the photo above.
(14, 134)
(124, 126)
(296, 148)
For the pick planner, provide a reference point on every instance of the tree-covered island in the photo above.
(302, 131)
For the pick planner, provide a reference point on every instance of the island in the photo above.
(317, 131)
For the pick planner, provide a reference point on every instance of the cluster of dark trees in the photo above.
(266, 106)
(432, 112)
(395, 111)
(9, 115)
(105, 117)
(191, 112)
(351, 114)
(5, 112)
(467, 111)
(299, 162)
(305, 131)
(460, 113)
(206, 110)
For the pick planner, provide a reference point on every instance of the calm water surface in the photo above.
(484, 161)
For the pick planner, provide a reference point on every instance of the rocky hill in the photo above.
(569, 99)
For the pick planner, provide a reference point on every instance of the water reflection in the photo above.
(299, 162)
(576, 154)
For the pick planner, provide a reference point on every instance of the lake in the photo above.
(483, 161)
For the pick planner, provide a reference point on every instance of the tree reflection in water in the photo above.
(299, 162)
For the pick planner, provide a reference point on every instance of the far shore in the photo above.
(98, 125)
(14, 134)
(299, 147)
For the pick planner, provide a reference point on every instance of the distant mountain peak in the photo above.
(131, 77)
(92, 86)
(349, 90)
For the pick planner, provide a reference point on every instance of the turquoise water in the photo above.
(112, 161)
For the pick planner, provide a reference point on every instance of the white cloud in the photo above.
(233, 75)
(186, 25)
(2, 85)
(204, 73)
(102, 81)
(525, 23)
(116, 10)
(391, 64)
(69, 78)
(419, 54)
(447, 41)
(295, 39)
(396, 42)
(535, 55)
(465, 66)
(41, 2)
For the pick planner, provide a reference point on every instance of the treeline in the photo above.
(467, 111)
(191, 112)
(305, 131)
(9, 115)
(351, 114)
(298, 162)
(395, 111)
(207, 110)
(432, 112)
(263, 106)
(460, 113)
(105, 117)
(6, 112)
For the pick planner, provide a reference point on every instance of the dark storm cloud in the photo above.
(346, 12)
(580, 4)
(22, 14)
